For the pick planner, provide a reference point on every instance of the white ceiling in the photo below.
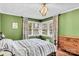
(32, 9)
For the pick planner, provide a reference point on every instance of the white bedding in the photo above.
(31, 47)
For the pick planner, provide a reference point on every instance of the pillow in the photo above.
(46, 38)
(6, 53)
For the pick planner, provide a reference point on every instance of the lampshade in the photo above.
(43, 9)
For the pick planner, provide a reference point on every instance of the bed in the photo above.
(26, 47)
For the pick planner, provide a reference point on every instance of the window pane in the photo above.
(35, 25)
(44, 31)
(51, 28)
(30, 28)
(44, 26)
(35, 32)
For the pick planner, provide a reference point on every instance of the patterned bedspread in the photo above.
(27, 47)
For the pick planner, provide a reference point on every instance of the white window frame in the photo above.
(40, 28)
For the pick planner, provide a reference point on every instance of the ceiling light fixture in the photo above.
(43, 9)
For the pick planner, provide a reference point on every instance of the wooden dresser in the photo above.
(68, 44)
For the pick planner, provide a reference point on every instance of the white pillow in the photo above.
(5, 53)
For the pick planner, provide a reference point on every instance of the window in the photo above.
(43, 28)
(35, 28)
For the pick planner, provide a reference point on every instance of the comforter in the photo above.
(31, 47)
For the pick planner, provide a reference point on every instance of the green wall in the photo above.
(6, 26)
(69, 23)
(0, 22)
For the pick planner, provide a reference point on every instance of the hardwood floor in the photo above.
(62, 53)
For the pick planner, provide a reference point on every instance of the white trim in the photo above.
(69, 10)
